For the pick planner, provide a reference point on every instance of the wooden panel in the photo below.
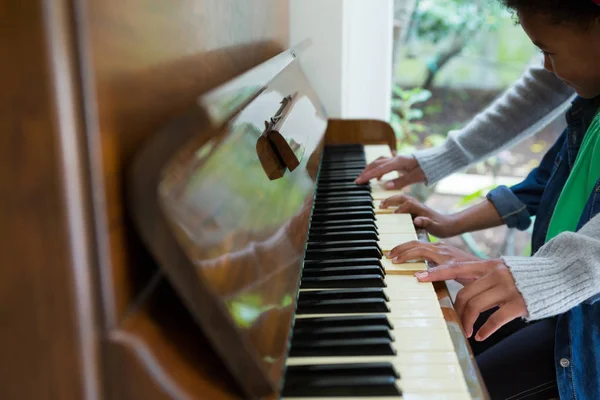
(146, 62)
(48, 343)
(143, 63)
(340, 131)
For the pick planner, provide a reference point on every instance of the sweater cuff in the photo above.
(440, 161)
(550, 285)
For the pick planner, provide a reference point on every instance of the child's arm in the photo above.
(480, 216)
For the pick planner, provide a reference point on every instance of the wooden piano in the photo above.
(227, 255)
(247, 203)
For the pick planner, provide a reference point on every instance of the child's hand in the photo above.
(439, 253)
(437, 224)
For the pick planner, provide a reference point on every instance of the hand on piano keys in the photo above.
(391, 173)
(365, 328)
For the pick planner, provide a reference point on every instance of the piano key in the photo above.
(367, 369)
(338, 186)
(344, 321)
(403, 221)
(362, 293)
(342, 306)
(351, 227)
(378, 192)
(351, 165)
(405, 268)
(342, 243)
(387, 241)
(339, 271)
(343, 386)
(363, 332)
(373, 151)
(344, 194)
(332, 208)
(342, 236)
(334, 216)
(344, 201)
(350, 281)
(342, 347)
(346, 223)
(337, 177)
(341, 262)
(341, 252)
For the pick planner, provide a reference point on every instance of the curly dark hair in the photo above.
(581, 12)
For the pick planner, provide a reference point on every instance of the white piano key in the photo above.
(374, 151)
(404, 268)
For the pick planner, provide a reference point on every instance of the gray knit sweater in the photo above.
(566, 271)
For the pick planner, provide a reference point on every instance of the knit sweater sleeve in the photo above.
(562, 274)
(536, 99)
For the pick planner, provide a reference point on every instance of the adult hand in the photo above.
(492, 286)
(439, 225)
(408, 167)
(439, 253)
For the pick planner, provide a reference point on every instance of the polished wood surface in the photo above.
(145, 62)
(342, 131)
(48, 342)
(85, 82)
(229, 237)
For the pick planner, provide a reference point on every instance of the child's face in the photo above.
(571, 52)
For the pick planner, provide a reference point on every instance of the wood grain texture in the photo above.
(147, 61)
(144, 62)
(47, 335)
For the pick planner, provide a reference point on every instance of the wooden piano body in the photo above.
(90, 313)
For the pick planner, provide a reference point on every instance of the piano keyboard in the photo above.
(365, 328)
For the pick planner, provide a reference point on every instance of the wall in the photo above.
(349, 61)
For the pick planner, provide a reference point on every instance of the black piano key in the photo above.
(349, 321)
(342, 236)
(344, 194)
(341, 252)
(342, 282)
(342, 347)
(370, 232)
(338, 174)
(342, 306)
(346, 179)
(362, 332)
(335, 201)
(335, 166)
(342, 187)
(347, 223)
(364, 293)
(338, 271)
(329, 192)
(318, 216)
(370, 386)
(331, 208)
(339, 244)
(341, 262)
(351, 369)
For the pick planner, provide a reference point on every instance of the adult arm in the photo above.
(563, 273)
(529, 105)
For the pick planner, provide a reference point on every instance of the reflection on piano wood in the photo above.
(286, 276)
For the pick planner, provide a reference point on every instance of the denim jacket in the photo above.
(577, 340)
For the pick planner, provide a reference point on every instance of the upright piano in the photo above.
(272, 277)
